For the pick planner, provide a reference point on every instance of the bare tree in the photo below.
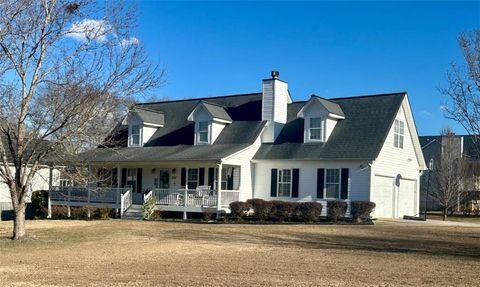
(66, 71)
(449, 178)
(463, 87)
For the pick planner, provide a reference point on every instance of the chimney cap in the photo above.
(275, 74)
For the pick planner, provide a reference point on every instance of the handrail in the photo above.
(147, 196)
(125, 201)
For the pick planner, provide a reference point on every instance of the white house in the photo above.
(200, 154)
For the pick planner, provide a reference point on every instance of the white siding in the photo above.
(40, 181)
(359, 174)
(274, 108)
(394, 161)
(214, 128)
(317, 110)
(243, 159)
(147, 133)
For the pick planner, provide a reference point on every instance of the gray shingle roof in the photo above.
(174, 141)
(332, 107)
(149, 116)
(359, 136)
(216, 111)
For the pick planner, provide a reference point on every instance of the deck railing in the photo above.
(83, 196)
(193, 197)
(125, 201)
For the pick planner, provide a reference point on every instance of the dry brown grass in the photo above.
(136, 253)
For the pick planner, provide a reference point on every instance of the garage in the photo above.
(406, 197)
(383, 196)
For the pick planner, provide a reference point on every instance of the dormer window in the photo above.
(203, 132)
(316, 129)
(210, 119)
(135, 135)
(398, 133)
(320, 116)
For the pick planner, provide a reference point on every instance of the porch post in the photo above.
(185, 195)
(50, 180)
(219, 189)
(119, 185)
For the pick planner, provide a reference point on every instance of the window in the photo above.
(398, 132)
(227, 182)
(203, 132)
(131, 179)
(332, 183)
(316, 129)
(192, 180)
(135, 135)
(284, 182)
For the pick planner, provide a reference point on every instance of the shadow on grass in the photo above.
(379, 243)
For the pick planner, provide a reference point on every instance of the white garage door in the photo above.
(383, 196)
(406, 198)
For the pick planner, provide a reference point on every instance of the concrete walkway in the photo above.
(429, 222)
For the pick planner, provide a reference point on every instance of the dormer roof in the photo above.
(218, 112)
(334, 109)
(148, 116)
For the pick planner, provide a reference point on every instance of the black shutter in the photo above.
(99, 176)
(344, 184)
(124, 177)
(211, 177)
(273, 183)
(229, 178)
(183, 180)
(320, 182)
(139, 179)
(114, 180)
(295, 175)
(201, 176)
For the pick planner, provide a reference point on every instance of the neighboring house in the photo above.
(265, 145)
(432, 152)
(45, 176)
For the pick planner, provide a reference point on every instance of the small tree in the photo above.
(449, 176)
(463, 87)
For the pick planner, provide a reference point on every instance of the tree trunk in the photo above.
(444, 214)
(19, 222)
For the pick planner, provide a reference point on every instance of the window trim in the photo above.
(199, 132)
(279, 182)
(397, 135)
(187, 180)
(140, 130)
(322, 129)
(339, 184)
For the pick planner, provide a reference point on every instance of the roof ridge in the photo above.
(199, 99)
(369, 96)
(147, 109)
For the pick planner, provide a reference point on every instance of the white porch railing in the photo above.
(193, 197)
(147, 196)
(112, 197)
(125, 201)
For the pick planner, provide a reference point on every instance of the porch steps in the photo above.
(134, 212)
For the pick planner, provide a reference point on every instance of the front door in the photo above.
(164, 179)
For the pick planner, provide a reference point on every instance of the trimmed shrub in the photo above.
(282, 210)
(239, 209)
(261, 208)
(40, 203)
(102, 213)
(207, 215)
(336, 209)
(308, 211)
(79, 212)
(59, 212)
(360, 210)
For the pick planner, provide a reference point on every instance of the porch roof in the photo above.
(162, 153)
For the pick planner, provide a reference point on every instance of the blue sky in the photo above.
(331, 49)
